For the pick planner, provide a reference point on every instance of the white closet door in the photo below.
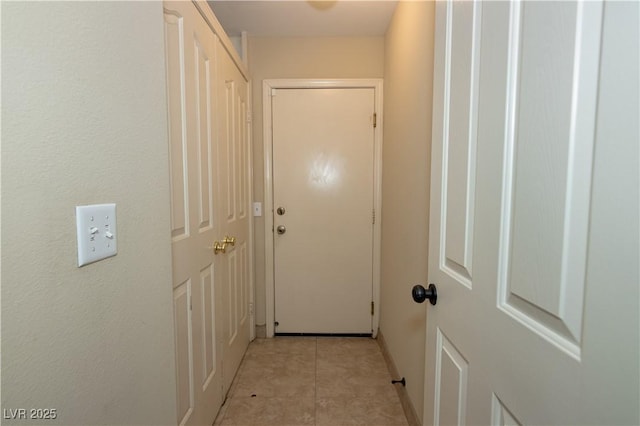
(191, 78)
(234, 211)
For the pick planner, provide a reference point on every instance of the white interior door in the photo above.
(190, 49)
(233, 171)
(534, 215)
(323, 182)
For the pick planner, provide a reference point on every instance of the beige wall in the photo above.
(406, 160)
(84, 121)
(279, 57)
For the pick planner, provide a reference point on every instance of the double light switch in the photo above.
(96, 228)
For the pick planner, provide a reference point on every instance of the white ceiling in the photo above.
(305, 18)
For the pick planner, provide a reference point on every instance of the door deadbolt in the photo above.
(281, 229)
(280, 211)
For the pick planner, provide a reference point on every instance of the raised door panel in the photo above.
(174, 36)
(233, 300)
(459, 139)
(500, 414)
(243, 265)
(228, 140)
(450, 383)
(207, 317)
(550, 122)
(204, 69)
(184, 350)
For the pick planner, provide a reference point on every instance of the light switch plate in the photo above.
(96, 229)
(257, 209)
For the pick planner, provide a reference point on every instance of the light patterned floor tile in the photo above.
(359, 411)
(313, 381)
(269, 411)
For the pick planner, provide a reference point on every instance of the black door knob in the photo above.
(420, 294)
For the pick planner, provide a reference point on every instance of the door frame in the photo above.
(267, 86)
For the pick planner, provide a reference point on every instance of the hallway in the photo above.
(312, 381)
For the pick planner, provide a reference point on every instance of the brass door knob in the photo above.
(219, 247)
(229, 240)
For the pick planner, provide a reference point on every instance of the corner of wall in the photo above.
(405, 214)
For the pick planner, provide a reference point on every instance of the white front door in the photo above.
(534, 215)
(190, 49)
(323, 198)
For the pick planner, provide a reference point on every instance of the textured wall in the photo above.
(307, 57)
(83, 122)
(408, 75)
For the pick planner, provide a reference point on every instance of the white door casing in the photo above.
(364, 86)
(537, 314)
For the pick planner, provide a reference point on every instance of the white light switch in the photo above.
(257, 209)
(96, 228)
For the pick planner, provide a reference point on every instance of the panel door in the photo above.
(323, 155)
(534, 215)
(233, 169)
(191, 74)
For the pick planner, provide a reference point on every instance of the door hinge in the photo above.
(373, 216)
(248, 116)
(375, 120)
(273, 92)
(373, 306)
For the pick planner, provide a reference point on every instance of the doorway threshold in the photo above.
(324, 334)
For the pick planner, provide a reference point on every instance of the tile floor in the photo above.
(313, 381)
